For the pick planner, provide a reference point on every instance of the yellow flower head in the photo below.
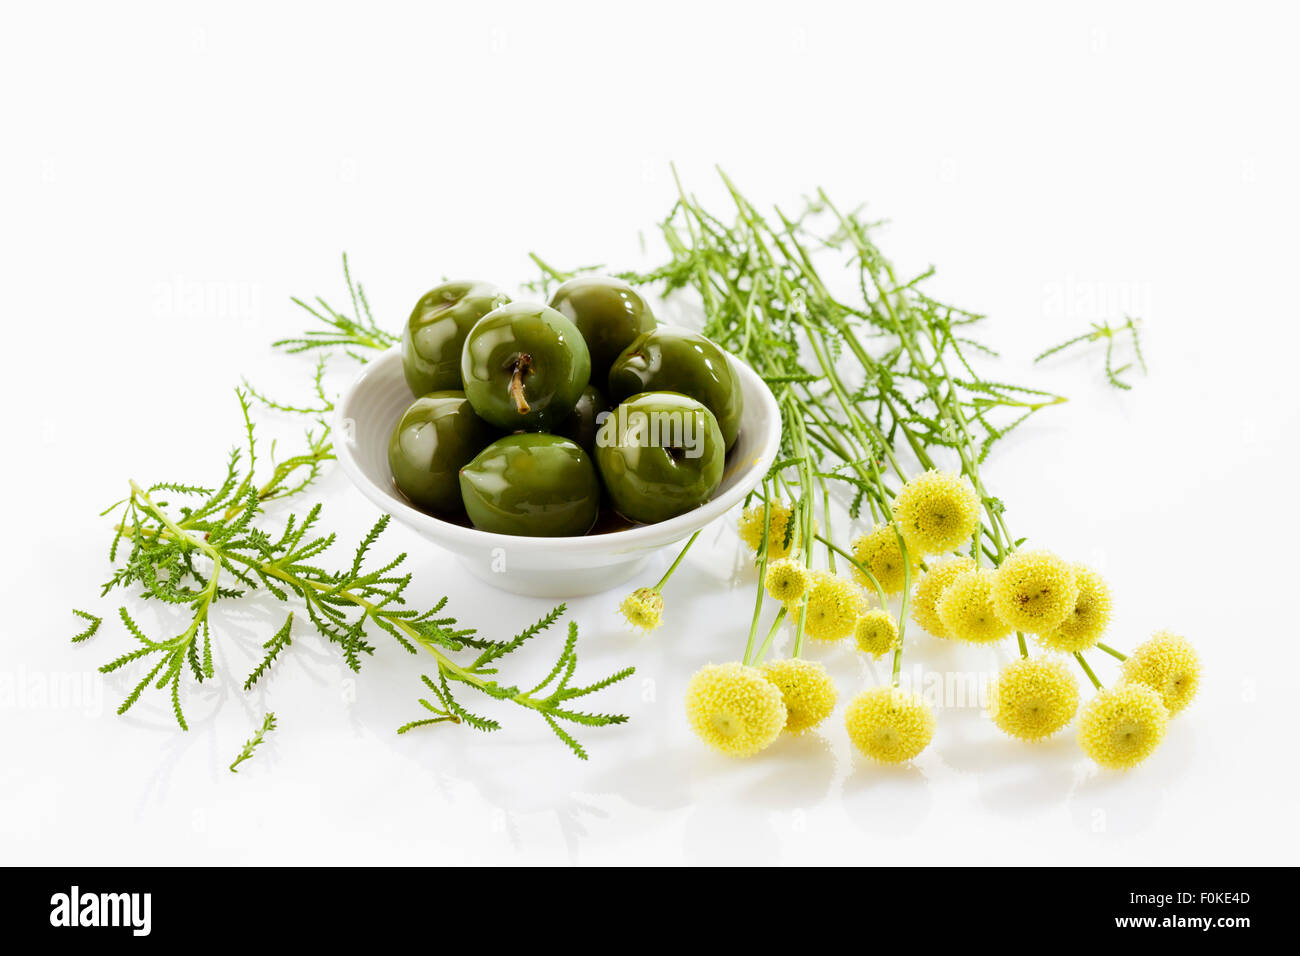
(808, 692)
(1169, 666)
(889, 725)
(643, 608)
(966, 609)
(1034, 591)
(1087, 622)
(876, 633)
(833, 604)
(938, 512)
(925, 599)
(787, 580)
(1034, 698)
(734, 709)
(779, 517)
(880, 553)
(1121, 726)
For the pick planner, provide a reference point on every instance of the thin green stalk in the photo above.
(676, 561)
(771, 636)
(762, 573)
(1087, 670)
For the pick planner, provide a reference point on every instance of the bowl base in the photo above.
(554, 582)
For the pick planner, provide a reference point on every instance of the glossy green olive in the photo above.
(670, 359)
(660, 454)
(608, 312)
(531, 484)
(584, 421)
(435, 437)
(435, 333)
(524, 366)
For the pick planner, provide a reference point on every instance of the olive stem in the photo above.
(518, 369)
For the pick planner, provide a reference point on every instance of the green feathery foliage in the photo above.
(1105, 332)
(549, 697)
(91, 628)
(217, 547)
(342, 332)
(356, 336)
(250, 745)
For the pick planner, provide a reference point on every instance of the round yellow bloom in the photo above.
(876, 632)
(787, 580)
(643, 608)
(1169, 666)
(925, 598)
(937, 511)
(808, 692)
(889, 725)
(1034, 698)
(833, 604)
(966, 609)
(1034, 591)
(779, 516)
(880, 553)
(1121, 726)
(1087, 622)
(734, 709)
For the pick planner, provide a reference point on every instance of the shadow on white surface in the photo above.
(886, 800)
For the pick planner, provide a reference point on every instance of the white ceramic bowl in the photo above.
(544, 567)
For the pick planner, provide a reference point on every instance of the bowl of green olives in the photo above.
(554, 447)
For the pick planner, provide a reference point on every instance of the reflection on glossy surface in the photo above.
(435, 333)
(524, 366)
(582, 424)
(670, 359)
(660, 455)
(435, 437)
(608, 312)
(530, 484)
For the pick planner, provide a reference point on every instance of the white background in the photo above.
(169, 179)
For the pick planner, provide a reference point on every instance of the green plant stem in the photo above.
(859, 566)
(676, 561)
(762, 573)
(902, 613)
(1087, 670)
(771, 636)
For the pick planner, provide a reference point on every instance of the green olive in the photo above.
(660, 454)
(531, 484)
(608, 312)
(524, 366)
(435, 332)
(584, 421)
(435, 437)
(670, 359)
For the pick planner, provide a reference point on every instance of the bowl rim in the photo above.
(648, 535)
